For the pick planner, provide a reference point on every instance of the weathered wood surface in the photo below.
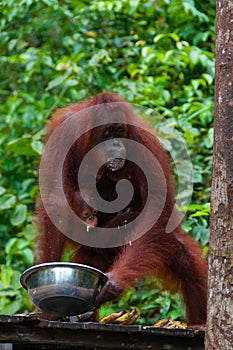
(29, 332)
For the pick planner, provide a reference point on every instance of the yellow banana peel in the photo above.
(122, 317)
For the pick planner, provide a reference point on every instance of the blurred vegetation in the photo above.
(157, 54)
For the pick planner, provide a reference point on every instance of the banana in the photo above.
(122, 317)
(129, 317)
(168, 323)
(112, 317)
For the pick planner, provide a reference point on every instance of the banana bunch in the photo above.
(168, 323)
(121, 317)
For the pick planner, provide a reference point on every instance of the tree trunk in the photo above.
(219, 332)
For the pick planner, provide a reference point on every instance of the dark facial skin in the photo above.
(87, 214)
(113, 148)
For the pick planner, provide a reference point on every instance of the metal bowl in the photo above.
(63, 289)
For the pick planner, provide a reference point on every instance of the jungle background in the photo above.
(156, 54)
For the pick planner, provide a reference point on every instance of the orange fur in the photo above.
(174, 256)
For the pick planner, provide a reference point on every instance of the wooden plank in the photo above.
(6, 346)
(33, 333)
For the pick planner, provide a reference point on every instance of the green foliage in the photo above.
(150, 301)
(157, 54)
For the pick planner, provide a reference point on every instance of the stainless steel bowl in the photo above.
(63, 289)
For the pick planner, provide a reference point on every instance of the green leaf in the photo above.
(6, 273)
(72, 82)
(56, 82)
(10, 244)
(37, 146)
(2, 190)
(7, 201)
(173, 36)
(22, 244)
(146, 51)
(200, 213)
(6, 293)
(11, 308)
(205, 235)
(210, 138)
(132, 70)
(193, 207)
(29, 232)
(208, 78)
(21, 146)
(19, 215)
(28, 256)
(194, 57)
(175, 314)
(15, 280)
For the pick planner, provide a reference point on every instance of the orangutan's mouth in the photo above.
(115, 164)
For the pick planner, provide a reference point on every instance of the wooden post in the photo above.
(219, 332)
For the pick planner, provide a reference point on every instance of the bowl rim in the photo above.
(27, 273)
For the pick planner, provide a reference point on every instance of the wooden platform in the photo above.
(30, 332)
